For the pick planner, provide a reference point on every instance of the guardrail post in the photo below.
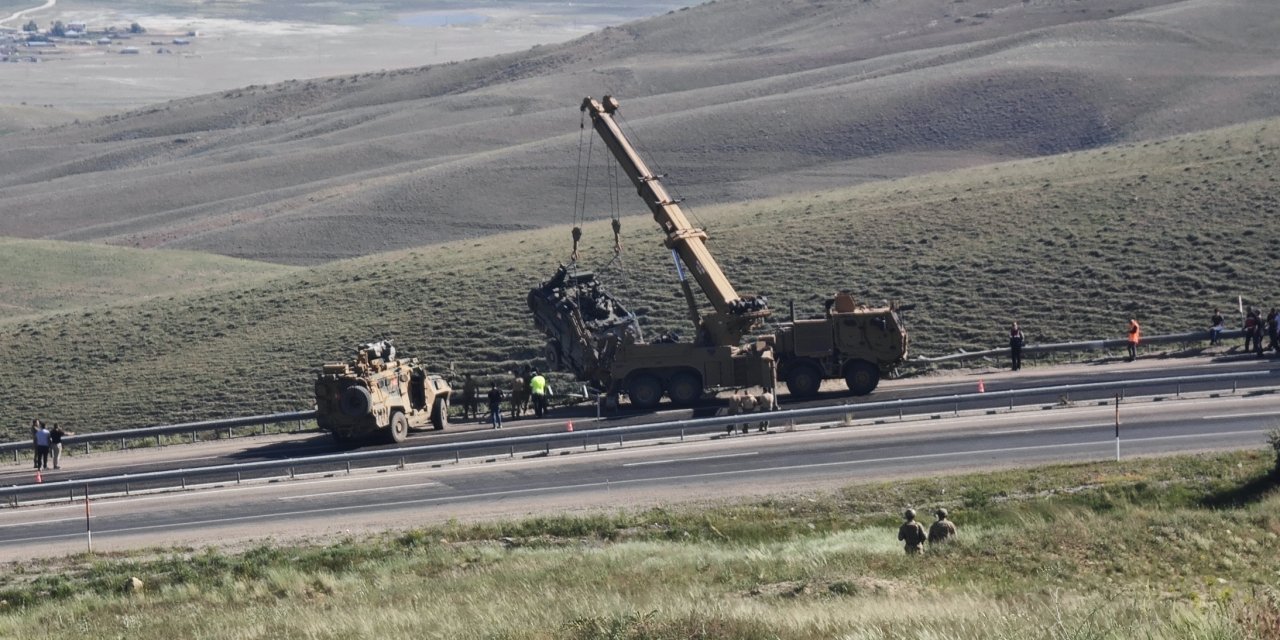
(619, 441)
(263, 429)
(457, 458)
(401, 462)
(157, 441)
(229, 436)
(1179, 390)
(126, 488)
(15, 456)
(291, 473)
(184, 482)
(193, 437)
(122, 447)
(513, 452)
(682, 435)
(86, 449)
(237, 477)
(1233, 385)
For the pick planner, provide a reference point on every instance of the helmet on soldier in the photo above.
(941, 513)
(909, 514)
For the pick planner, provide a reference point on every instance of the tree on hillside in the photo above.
(136, 28)
(58, 29)
(31, 27)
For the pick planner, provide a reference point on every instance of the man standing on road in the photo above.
(1015, 346)
(538, 388)
(495, 406)
(42, 447)
(943, 530)
(56, 434)
(470, 401)
(1135, 334)
(911, 533)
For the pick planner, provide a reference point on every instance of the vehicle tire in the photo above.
(803, 380)
(861, 376)
(552, 354)
(685, 388)
(644, 390)
(355, 401)
(440, 413)
(398, 430)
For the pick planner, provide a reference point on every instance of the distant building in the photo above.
(129, 50)
(104, 40)
(77, 26)
(181, 41)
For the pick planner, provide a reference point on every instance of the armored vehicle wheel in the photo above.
(355, 401)
(644, 390)
(399, 428)
(803, 380)
(552, 353)
(685, 388)
(440, 413)
(861, 376)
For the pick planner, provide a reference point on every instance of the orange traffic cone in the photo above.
(982, 388)
(39, 479)
(569, 425)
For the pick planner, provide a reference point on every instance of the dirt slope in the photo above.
(736, 100)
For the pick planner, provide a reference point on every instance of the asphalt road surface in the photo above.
(584, 478)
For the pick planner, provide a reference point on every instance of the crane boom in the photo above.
(734, 315)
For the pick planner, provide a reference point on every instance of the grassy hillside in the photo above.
(737, 100)
(1071, 246)
(1158, 549)
(44, 275)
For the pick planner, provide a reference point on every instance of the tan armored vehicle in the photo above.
(854, 342)
(379, 394)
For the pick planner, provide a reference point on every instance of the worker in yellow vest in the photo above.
(538, 388)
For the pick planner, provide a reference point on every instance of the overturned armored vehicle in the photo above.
(591, 334)
(378, 394)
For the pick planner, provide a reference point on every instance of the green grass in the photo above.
(1143, 549)
(1071, 246)
(44, 275)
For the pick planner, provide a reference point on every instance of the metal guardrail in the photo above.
(165, 430)
(277, 418)
(1089, 345)
(12, 492)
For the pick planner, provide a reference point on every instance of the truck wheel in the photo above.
(861, 376)
(398, 430)
(644, 391)
(355, 401)
(803, 380)
(685, 388)
(440, 413)
(552, 353)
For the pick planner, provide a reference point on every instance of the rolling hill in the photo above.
(1070, 245)
(737, 100)
(38, 276)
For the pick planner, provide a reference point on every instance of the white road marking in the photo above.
(1241, 415)
(1043, 429)
(350, 491)
(674, 460)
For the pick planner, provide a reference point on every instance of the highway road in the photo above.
(702, 468)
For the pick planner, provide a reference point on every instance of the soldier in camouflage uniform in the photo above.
(942, 530)
(911, 533)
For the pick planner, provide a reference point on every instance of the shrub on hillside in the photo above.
(1273, 436)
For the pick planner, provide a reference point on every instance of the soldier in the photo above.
(767, 402)
(747, 404)
(56, 434)
(470, 401)
(911, 533)
(735, 407)
(519, 396)
(943, 530)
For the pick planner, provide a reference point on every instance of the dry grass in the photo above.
(41, 276)
(1071, 246)
(1072, 551)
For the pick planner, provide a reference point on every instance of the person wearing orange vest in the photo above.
(1135, 334)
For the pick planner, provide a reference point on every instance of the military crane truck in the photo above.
(609, 350)
(377, 394)
(853, 342)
